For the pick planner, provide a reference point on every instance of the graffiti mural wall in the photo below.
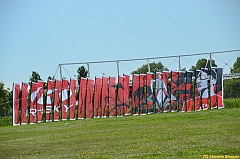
(139, 94)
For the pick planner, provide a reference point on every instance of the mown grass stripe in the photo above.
(166, 135)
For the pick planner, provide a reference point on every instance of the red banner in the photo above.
(104, 96)
(142, 96)
(97, 95)
(57, 104)
(40, 102)
(65, 102)
(81, 98)
(162, 94)
(189, 99)
(197, 93)
(120, 95)
(135, 94)
(50, 87)
(204, 88)
(16, 104)
(24, 104)
(181, 92)
(149, 92)
(126, 107)
(220, 88)
(166, 92)
(72, 99)
(213, 88)
(89, 105)
(174, 91)
(33, 102)
(159, 91)
(112, 97)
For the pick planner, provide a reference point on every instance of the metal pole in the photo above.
(148, 65)
(160, 57)
(88, 70)
(117, 68)
(60, 71)
(210, 56)
(179, 64)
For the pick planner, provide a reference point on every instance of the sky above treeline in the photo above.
(39, 35)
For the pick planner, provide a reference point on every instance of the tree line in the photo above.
(231, 86)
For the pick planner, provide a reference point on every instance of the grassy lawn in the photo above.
(166, 135)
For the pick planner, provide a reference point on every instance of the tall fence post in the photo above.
(60, 71)
(148, 65)
(88, 70)
(117, 68)
(210, 57)
(179, 64)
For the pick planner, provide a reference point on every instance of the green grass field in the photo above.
(166, 135)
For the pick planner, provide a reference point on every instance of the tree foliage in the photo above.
(154, 67)
(201, 63)
(82, 72)
(51, 78)
(236, 66)
(35, 77)
(5, 96)
(231, 88)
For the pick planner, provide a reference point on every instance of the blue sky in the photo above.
(38, 35)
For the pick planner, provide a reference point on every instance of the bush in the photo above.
(232, 103)
(6, 121)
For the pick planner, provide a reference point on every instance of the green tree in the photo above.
(82, 72)
(51, 78)
(231, 88)
(154, 67)
(201, 63)
(183, 69)
(5, 106)
(236, 66)
(35, 77)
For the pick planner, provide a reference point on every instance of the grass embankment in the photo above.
(165, 135)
